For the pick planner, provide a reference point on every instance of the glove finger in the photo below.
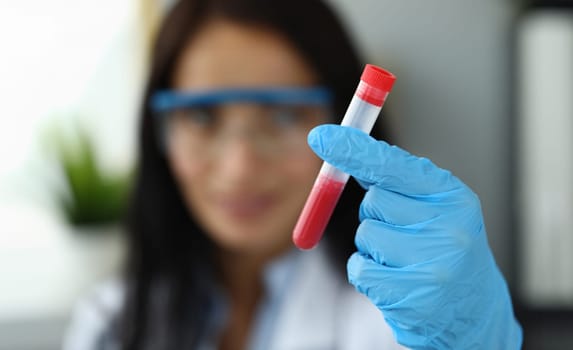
(358, 154)
(398, 209)
(399, 246)
(373, 280)
(388, 287)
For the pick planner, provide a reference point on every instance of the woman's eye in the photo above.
(285, 117)
(203, 117)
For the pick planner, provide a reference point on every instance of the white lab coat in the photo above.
(320, 311)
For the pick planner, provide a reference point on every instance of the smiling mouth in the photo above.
(245, 206)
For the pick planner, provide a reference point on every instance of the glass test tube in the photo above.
(375, 84)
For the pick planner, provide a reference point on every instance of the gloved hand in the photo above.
(423, 257)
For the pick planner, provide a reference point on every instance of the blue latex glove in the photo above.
(423, 257)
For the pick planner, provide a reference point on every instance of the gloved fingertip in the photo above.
(316, 138)
(350, 267)
(354, 267)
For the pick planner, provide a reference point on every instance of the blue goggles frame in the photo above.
(167, 100)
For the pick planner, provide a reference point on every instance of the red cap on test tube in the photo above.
(375, 84)
(378, 82)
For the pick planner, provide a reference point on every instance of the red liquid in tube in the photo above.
(317, 211)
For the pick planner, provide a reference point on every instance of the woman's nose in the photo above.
(239, 154)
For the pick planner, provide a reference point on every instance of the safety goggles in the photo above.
(274, 120)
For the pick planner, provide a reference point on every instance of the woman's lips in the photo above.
(246, 206)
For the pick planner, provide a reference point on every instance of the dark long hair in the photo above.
(169, 256)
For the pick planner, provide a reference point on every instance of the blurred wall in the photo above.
(451, 101)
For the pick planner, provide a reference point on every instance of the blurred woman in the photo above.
(224, 170)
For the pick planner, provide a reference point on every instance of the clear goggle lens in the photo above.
(274, 120)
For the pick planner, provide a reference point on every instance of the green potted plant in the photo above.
(91, 197)
(92, 201)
